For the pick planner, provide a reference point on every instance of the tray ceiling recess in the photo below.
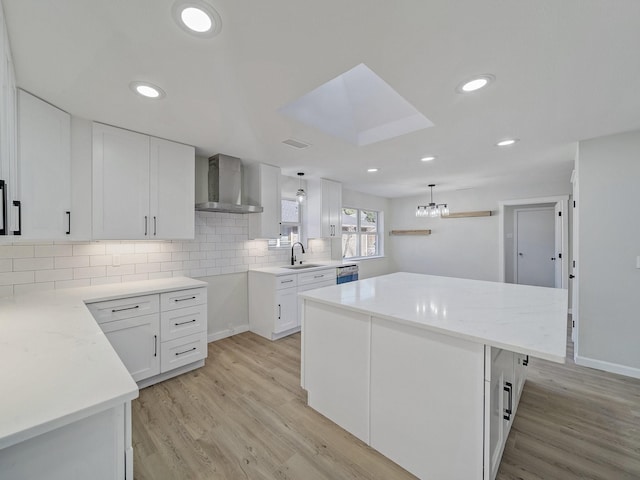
(359, 107)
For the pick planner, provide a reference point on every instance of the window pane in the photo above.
(289, 234)
(349, 220)
(368, 221)
(290, 211)
(349, 245)
(368, 245)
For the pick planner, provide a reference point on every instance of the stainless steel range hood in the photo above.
(225, 187)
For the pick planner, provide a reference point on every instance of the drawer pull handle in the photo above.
(318, 276)
(286, 281)
(525, 361)
(184, 323)
(183, 299)
(186, 351)
(123, 309)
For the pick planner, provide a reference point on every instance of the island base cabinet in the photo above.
(336, 356)
(427, 393)
(97, 447)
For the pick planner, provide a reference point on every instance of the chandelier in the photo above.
(433, 209)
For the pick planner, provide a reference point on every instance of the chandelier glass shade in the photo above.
(432, 209)
(300, 194)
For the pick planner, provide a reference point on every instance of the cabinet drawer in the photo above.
(183, 321)
(182, 351)
(121, 308)
(286, 281)
(183, 298)
(317, 276)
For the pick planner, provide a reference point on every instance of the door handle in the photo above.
(68, 232)
(553, 258)
(572, 276)
(279, 311)
(154, 226)
(508, 387)
(155, 345)
(145, 225)
(17, 203)
(3, 186)
(521, 254)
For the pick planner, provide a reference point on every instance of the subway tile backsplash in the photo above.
(220, 247)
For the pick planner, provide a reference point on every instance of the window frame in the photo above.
(359, 233)
(276, 243)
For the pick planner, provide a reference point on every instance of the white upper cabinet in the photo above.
(263, 188)
(172, 190)
(324, 207)
(143, 187)
(44, 160)
(120, 184)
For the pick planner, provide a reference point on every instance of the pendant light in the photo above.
(433, 209)
(300, 194)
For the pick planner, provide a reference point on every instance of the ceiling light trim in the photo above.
(474, 84)
(216, 21)
(136, 85)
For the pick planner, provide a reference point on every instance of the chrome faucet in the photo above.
(293, 258)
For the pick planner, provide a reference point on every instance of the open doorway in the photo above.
(534, 248)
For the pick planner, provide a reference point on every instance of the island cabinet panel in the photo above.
(337, 353)
(427, 394)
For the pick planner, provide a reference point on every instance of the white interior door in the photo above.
(535, 247)
(559, 257)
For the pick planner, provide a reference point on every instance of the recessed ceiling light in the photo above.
(427, 158)
(147, 90)
(506, 142)
(372, 170)
(475, 83)
(197, 17)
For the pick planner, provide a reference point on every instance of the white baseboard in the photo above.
(227, 332)
(608, 366)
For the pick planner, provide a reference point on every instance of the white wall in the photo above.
(459, 247)
(374, 266)
(609, 232)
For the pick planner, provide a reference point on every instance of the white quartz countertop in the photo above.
(520, 318)
(57, 365)
(282, 270)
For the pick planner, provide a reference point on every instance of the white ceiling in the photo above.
(565, 71)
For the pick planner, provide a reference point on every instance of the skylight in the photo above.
(359, 107)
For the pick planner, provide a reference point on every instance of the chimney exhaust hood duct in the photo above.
(225, 187)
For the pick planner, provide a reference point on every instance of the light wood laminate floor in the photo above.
(244, 416)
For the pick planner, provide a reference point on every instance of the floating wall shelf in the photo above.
(481, 213)
(410, 232)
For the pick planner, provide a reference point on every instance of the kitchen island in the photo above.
(428, 370)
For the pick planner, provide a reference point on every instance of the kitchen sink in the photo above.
(301, 267)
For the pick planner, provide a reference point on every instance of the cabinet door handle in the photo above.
(279, 311)
(145, 225)
(68, 232)
(184, 323)
(3, 186)
(155, 345)
(508, 387)
(186, 351)
(17, 203)
(154, 226)
(123, 309)
(184, 299)
(286, 281)
(525, 361)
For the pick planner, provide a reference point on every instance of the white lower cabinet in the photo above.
(275, 310)
(155, 335)
(136, 341)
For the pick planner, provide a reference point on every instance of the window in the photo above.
(360, 233)
(290, 226)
